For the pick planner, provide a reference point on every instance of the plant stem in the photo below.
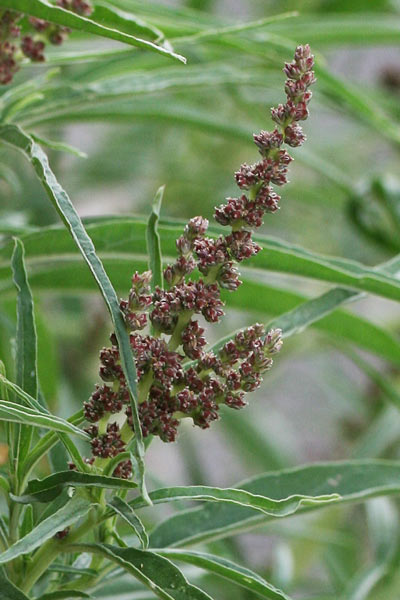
(176, 337)
(51, 549)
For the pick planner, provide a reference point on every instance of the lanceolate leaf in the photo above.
(105, 13)
(26, 351)
(354, 481)
(118, 236)
(15, 413)
(126, 512)
(43, 9)
(28, 400)
(278, 508)
(8, 590)
(26, 330)
(67, 515)
(158, 573)
(45, 490)
(60, 595)
(322, 313)
(17, 138)
(153, 240)
(227, 569)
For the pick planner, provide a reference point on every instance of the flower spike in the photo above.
(177, 376)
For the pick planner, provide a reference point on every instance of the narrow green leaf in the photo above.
(118, 235)
(338, 28)
(15, 413)
(60, 595)
(60, 146)
(17, 138)
(70, 570)
(126, 512)
(153, 240)
(28, 400)
(354, 481)
(46, 443)
(67, 515)
(163, 578)
(324, 314)
(26, 351)
(110, 16)
(26, 329)
(27, 521)
(218, 32)
(227, 569)
(42, 9)
(269, 506)
(313, 310)
(8, 590)
(45, 490)
(74, 453)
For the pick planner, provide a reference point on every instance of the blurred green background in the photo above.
(145, 121)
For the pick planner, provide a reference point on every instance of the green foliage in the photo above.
(328, 276)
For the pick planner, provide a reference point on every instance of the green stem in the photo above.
(41, 561)
(176, 338)
(51, 549)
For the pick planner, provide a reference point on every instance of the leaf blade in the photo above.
(59, 198)
(354, 480)
(47, 489)
(67, 515)
(153, 240)
(42, 9)
(228, 570)
(122, 509)
(156, 572)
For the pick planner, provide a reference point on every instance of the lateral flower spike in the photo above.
(168, 391)
(18, 44)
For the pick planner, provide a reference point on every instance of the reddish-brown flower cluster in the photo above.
(21, 39)
(177, 377)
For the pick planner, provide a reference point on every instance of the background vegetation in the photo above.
(145, 120)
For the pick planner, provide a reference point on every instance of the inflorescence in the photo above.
(177, 376)
(26, 38)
